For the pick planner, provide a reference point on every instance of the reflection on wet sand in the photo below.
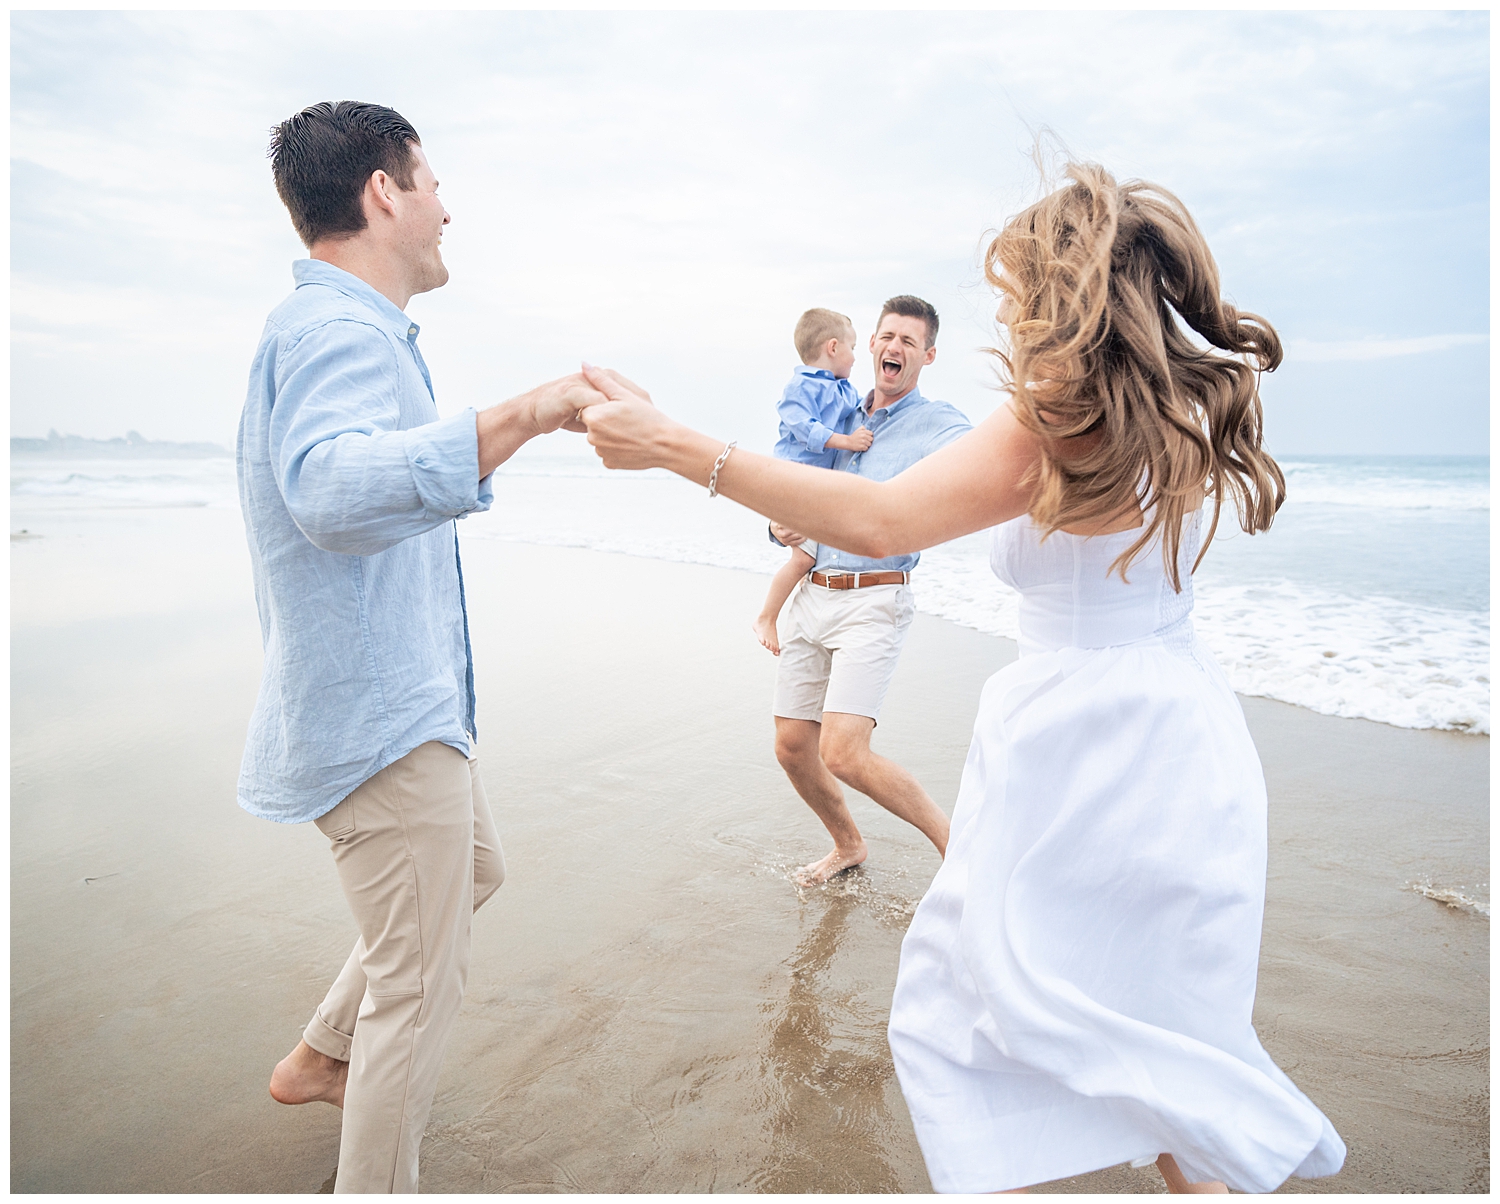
(830, 1068)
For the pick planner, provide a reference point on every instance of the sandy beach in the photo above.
(653, 1006)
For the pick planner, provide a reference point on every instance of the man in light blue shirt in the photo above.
(844, 629)
(350, 484)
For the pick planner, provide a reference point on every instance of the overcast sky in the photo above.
(665, 193)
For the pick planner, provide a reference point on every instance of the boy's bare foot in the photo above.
(765, 631)
(1177, 1182)
(835, 863)
(306, 1076)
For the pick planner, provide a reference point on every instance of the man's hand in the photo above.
(791, 538)
(626, 429)
(554, 406)
(857, 441)
(624, 382)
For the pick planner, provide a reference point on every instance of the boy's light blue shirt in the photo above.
(813, 406)
(349, 484)
(905, 431)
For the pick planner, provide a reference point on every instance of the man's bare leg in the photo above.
(797, 750)
(1177, 1182)
(306, 1076)
(844, 748)
(782, 585)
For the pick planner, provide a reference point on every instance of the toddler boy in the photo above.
(813, 408)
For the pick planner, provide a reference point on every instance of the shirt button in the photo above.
(411, 330)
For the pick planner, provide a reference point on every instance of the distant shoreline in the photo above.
(133, 445)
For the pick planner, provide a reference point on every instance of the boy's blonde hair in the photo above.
(816, 327)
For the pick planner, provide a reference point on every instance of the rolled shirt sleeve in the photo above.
(353, 481)
(799, 409)
(444, 459)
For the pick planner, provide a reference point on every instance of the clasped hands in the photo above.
(621, 422)
(627, 430)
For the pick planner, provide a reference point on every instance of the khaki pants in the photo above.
(417, 854)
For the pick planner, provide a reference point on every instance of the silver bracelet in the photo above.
(713, 477)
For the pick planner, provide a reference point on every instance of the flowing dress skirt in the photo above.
(1075, 989)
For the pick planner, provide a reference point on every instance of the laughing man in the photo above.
(844, 629)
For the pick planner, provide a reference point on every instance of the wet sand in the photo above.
(652, 1005)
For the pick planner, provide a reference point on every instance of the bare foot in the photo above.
(765, 631)
(1178, 1184)
(835, 863)
(305, 1076)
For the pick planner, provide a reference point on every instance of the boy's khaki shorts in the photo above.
(839, 649)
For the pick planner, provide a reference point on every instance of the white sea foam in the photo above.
(124, 483)
(1351, 653)
(1390, 661)
(1368, 658)
(1460, 898)
(1365, 657)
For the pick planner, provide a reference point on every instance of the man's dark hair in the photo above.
(911, 307)
(322, 157)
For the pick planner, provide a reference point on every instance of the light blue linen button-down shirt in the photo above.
(905, 431)
(349, 483)
(814, 405)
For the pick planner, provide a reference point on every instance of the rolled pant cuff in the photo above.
(327, 1040)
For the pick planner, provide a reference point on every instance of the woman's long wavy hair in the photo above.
(1098, 272)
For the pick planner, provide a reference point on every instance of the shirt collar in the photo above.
(902, 403)
(317, 271)
(809, 370)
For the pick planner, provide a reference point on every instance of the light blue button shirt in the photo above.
(349, 484)
(814, 405)
(905, 431)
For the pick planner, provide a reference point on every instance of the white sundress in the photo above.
(1075, 988)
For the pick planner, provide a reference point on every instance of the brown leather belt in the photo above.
(858, 580)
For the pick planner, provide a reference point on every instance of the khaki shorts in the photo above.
(839, 649)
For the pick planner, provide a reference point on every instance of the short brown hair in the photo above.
(321, 158)
(908, 306)
(816, 327)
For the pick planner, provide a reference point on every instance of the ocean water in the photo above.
(1368, 598)
(44, 482)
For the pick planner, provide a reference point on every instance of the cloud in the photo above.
(667, 191)
(1378, 348)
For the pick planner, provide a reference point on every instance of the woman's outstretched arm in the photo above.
(973, 483)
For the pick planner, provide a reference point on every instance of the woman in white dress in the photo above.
(1076, 987)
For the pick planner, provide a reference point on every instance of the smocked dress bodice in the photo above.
(1070, 597)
